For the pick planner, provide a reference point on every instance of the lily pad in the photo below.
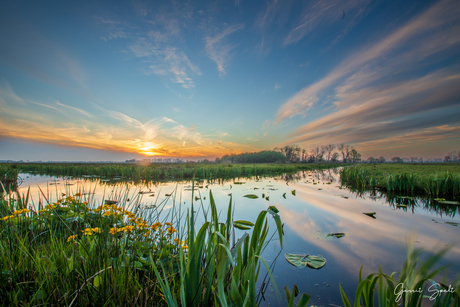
(449, 202)
(336, 234)
(371, 214)
(401, 206)
(253, 196)
(301, 261)
(404, 197)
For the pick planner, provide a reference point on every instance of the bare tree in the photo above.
(329, 149)
(335, 157)
(344, 150)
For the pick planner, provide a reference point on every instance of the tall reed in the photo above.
(435, 184)
(74, 253)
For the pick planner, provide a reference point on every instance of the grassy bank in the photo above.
(166, 171)
(71, 253)
(438, 180)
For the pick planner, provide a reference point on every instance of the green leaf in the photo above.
(371, 214)
(253, 196)
(97, 281)
(300, 261)
(448, 202)
(243, 225)
(336, 234)
(75, 219)
(293, 192)
(243, 222)
(274, 209)
(284, 195)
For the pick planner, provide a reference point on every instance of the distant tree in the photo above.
(382, 159)
(372, 160)
(328, 150)
(397, 160)
(452, 157)
(304, 157)
(335, 157)
(354, 155)
(317, 154)
(292, 152)
(265, 156)
(344, 150)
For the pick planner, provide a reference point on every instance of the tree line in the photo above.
(326, 153)
(266, 156)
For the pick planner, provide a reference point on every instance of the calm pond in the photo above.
(318, 208)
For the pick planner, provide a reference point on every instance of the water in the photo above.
(318, 208)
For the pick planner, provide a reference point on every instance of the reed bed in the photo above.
(8, 175)
(166, 171)
(120, 253)
(441, 180)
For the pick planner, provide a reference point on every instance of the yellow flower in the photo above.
(87, 232)
(156, 225)
(176, 240)
(77, 194)
(71, 238)
(171, 230)
(8, 217)
(128, 228)
(114, 230)
(168, 224)
(184, 246)
(17, 212)
(96, 230)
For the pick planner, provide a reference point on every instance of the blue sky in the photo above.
(118, 80)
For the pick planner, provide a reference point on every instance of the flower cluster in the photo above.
(89, 231)
(15, 213)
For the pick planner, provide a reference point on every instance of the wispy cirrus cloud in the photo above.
(408, 45)
(218, 50)
(385, 90)
(420, 110)
(324, 12)
(155, 39)
(166, 60)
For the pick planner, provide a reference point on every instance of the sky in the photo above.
(117, 80)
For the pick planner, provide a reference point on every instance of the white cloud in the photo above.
(410, 40)
(219, 51)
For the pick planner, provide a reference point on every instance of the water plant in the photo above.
(415, 282)
(164, 171)
(420, 179)
(70, 252)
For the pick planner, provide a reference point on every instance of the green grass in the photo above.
(8, 175)
(157, 172)
(71, 253)
(439, 180)
(414, 284)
